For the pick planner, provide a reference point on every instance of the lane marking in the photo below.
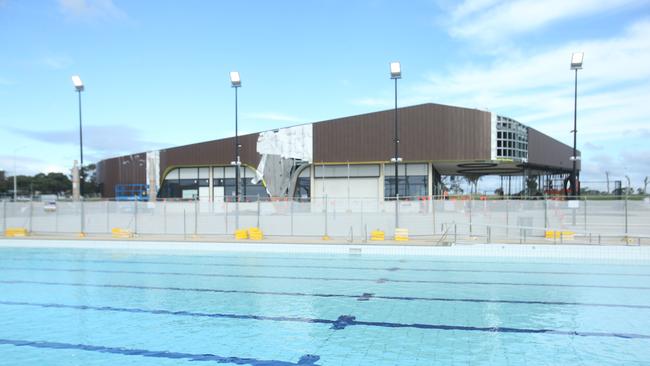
(342, 322)
(305, 360)
(380, 280)
(389, 269)
(362, 297)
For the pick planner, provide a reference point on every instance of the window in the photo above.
(412, 180)
(512, 138)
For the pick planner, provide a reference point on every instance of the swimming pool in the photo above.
(143, 307)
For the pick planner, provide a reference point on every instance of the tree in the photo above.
(531, 186)
(90, 186)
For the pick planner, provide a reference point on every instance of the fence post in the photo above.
(573, 213)
(470, 215)
(31, 214)
(487, 235)
(135, 216)
(4, 216)
(365, 233)
(433, 212)
(184, 225)
(237, 211)
(455, 234)
(545, 213)
(626, 231)
(196, 217)
(507, 216)
(165, 217)
(226, 215)
(83, 216)
(108, 217)
(584, 202)
(258, 211)
(291, 210)
(361, 205)
(326, 235)
(397, 207)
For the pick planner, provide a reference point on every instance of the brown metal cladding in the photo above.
(427, 132)
(547, 151)
(128, 169)
(131, 169)
(218, 152)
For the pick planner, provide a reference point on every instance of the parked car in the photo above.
(49, 202)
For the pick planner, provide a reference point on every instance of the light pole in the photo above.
(396, 73)
(576, 64)
(235, 81)
(79, 87)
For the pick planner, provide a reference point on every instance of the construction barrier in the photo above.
(121, 233)
(553, 234)
(255, 233)
(16, 231)
(377, 235)
(241, 234)
(401, 234)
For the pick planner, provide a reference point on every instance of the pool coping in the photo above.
(564, 251)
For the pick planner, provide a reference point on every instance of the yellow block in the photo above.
(255, 233)
(377, 235)
(16, 231)
(553, 234)
(121, 233)
(241, 234)
(326, 237)
(402, 234)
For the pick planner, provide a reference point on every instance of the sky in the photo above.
(156, 72)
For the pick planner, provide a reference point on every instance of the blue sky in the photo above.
(156, 72)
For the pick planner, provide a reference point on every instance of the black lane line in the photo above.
(389, 269)
(363, 297)
(304, 360)
(341, 322)
(344, 256)
(380, 280)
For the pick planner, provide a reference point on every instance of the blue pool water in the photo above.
(117, 307)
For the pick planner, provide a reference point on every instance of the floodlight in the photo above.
(78, 84)
(576, 60)
(395, 70)
(235, 80)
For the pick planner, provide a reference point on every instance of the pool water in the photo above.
(117, 307)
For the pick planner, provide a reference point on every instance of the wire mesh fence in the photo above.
(430, 219)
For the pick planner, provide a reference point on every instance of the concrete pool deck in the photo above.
(627, 253)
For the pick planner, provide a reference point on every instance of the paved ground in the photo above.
(413, 241)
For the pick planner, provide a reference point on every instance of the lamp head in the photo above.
(576, 60)
(78, 84)
(395, 70)
(235, 80)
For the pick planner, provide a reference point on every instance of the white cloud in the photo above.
(56, 62)
(489, 20)
(538, 89)
(613, 93)
(374, 102)
(99, 141)
(90, 9)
